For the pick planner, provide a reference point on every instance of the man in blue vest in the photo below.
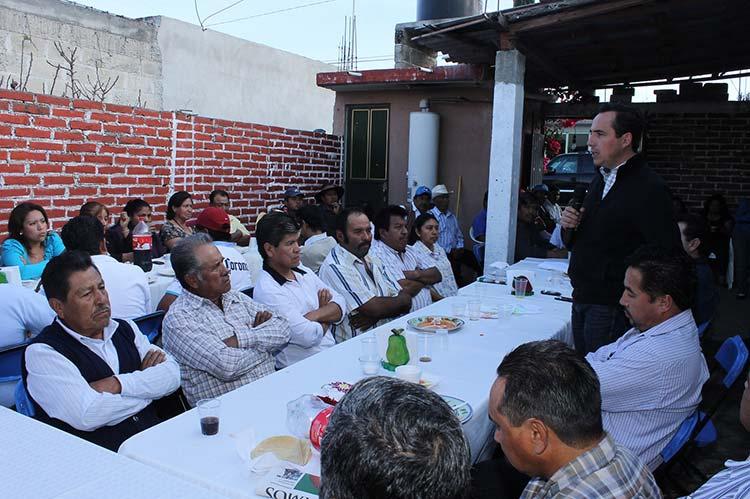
(89, 374)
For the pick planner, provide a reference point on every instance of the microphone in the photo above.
(579, 194)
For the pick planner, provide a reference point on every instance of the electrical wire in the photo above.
(269, 13)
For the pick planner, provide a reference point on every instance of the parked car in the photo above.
(566, 171)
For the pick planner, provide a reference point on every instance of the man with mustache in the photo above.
(413, 272)
(651, 377)
(86, 373)
(372, 296)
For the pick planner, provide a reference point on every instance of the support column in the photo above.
(505, 157)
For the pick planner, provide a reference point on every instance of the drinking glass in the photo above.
(424, 347)
(475, 309)
(519, 285)
(209, 410)
(369, 347)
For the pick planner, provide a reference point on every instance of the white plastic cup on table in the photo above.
(370, 365)
(409, 372)
(424, 347)
(369, 347)
(209, 411)
(520, 285)
(475, 309)
(458, 308)
(505, 312)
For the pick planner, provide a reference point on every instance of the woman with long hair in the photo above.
(96, 210)
(179, 211)
(423, 239)
(30, 243)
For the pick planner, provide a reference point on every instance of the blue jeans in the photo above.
(597, 325)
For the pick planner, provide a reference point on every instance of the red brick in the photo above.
(33, 133)
(99, 160)
(87, 104)
(12, 193)
(66, 135)
(130, 120)
(122, 181)
(16, 119)
(158, 142)
(65, 158)
(128, 160)
(22, 180)
(51, 99)
(83, 191)
(144, 130)
(85, 125)
(50, 122)
(13, 168)
(42, 192)
(140, 151)
(131, 140)
(44, 168)
(46, 146)
(4, 105)
(117, 108)
(80, 169)
(109, 128)
(59, 179)
(110, 170)
(12, 143)
(27, 156)
(138, 170)
(109, 149)
(103, 117)
(13, 95)
(67, 113)
(92, 179)
(98, 137)
(19, 107)
(86, 147)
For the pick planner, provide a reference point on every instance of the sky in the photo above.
(313, 28)
(314, 31)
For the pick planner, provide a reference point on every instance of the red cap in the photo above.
(213, 218)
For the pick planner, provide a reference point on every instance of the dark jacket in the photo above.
(93, 368)
(636, 211)
(529, 243)
(706, 295)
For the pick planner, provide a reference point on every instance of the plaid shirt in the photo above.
(609, 175)
(606, 471)
(446, 287)
(346, 274)
(450, 236)
(194, 330)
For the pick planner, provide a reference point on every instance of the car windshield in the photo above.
(562, 165)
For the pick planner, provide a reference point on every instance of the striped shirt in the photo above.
(194, 333)
(733, 482)
(606, 471)
(438, 258)
(396, 263)
(450, 236)
(346, 274)
(650, 382)
(609, 175)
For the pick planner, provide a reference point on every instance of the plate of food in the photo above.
(334, 391)
(429, 380)
(461, 408)
(434, 323)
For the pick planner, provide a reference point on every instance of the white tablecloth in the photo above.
(158, 283)
(465, 362)
(39, 461)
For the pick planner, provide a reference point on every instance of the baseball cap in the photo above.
(213, 218)
(422, 190)
(293, 192)
(540, 187)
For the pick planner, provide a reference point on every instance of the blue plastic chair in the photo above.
(10, 362)
(150, 325)
(702, 328)
(23, 402)
(680, 438)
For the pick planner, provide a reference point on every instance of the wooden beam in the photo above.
(557, 72)
(575, 14)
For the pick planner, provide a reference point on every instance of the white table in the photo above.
(159, 283)
(466, 362)
(40, 461)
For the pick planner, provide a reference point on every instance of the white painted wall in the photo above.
(121, 47)
(218, 75)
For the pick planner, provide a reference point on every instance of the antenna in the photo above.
(348, 49)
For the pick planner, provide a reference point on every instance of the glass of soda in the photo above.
(209, 410)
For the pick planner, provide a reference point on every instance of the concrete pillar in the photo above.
(505, 156)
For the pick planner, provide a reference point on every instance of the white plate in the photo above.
(166, 271)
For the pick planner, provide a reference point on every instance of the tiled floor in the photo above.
(733, 441)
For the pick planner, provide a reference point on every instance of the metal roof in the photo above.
(593, 43)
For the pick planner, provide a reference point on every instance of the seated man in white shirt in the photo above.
(86, 373)
(222, 339)
(294, 292)
(412, 270)
(127, 285)
(651, 378)
(238, 233)
(24, 314)
(316, 243)
(215, 223)
(372, 296)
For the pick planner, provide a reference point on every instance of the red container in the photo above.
(318, 427)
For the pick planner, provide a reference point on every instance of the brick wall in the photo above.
(61, 153)
(700, 154)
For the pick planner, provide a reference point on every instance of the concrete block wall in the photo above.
(61, 153)
(702, 153)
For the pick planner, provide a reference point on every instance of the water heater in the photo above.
(444, 9)
(424, 135)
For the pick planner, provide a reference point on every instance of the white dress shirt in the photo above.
(56, 384)
(315, 250)
(24, 314)
(127, 287)
(650, 382)
(292, 300)
(239, 270)
(396, 263)
(447, 286)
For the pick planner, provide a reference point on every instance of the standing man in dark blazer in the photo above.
(627, 205)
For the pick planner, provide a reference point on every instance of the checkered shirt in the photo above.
(606, 471)
(396, 263)
(346, 275)
(193, 332)
(609, 175)
(438, 258)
